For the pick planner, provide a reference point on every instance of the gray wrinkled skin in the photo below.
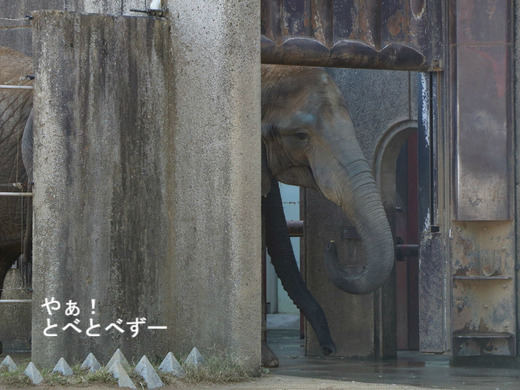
(309, 140)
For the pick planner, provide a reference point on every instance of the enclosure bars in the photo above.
(6, 86)
(18, 186)
(19, 194)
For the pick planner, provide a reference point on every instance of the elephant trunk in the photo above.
(350, 185)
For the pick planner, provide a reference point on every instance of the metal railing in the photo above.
(7, 86)
(19, 186)
(17, 194)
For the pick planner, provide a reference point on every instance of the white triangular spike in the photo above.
(194, 358)
(118, 371)
(126, 382)
(172, 366)
(146, 370)
(115, 369)
(63, 368)
(91, 363)
(118, 355)
(9, 363)
(140, 366)
(32, 372)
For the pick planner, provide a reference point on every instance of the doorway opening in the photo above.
(406, 233)
(397, 175)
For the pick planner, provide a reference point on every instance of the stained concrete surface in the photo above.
(410, 368)
(125, 133)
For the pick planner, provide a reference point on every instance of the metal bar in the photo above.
(5, 86)
(15, 301)
(10, 185)
(406, 250)
(19, 194)
(295, 228)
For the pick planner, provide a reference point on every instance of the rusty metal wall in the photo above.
(481, 51)
(482, 232)
(391, 34)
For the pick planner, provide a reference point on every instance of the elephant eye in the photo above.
(302, 135)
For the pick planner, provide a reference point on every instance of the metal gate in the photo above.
(466, 159)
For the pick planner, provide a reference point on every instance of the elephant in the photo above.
(15, 108)
(308, 140)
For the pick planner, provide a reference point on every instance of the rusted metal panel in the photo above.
(483, 22)
(483, 114)
(484, 344)
(483, 293)
(390, 34)
(482, 246)
(484, 134)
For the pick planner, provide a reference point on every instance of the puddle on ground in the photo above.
(410, 368)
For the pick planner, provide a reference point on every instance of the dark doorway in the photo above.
(406, 231)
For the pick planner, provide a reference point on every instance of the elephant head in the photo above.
(308, 140)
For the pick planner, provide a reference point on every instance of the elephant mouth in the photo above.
(297, 175)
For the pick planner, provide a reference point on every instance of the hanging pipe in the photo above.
(19, 194)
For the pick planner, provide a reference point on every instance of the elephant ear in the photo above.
(266, 173)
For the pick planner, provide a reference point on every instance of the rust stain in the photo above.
(465, 17)
(396, 23)
(354, 24)
(498, 67)
(462, 271)
(491, 8)
(320, 21)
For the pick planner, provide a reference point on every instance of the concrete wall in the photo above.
(147, 162)
(103, 181)
(15, 28)
(377, 100)
(217, 275)
(516, 138)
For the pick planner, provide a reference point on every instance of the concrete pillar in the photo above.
(216, 278)
(103, 183)
(147, 183)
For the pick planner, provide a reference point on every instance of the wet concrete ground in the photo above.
(410, 368)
